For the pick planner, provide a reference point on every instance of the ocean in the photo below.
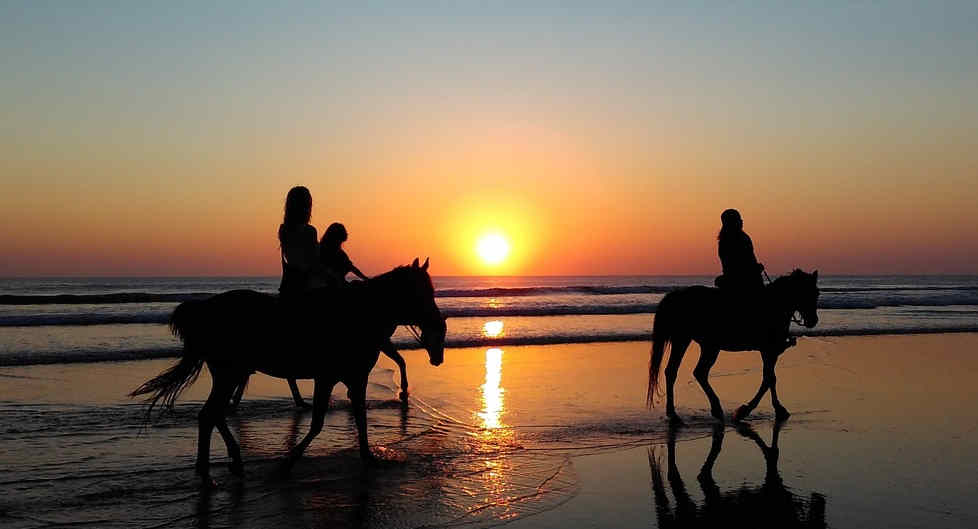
(512, 428)
(63, 320)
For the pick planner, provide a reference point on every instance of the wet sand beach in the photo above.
(883, 433)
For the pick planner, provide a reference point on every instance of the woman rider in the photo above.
(301, 269)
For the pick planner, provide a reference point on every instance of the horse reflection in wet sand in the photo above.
(337, 338)
(707, 315)
(769, 505)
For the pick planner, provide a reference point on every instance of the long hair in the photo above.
(335, 236)
(732, 224)
(298, 209)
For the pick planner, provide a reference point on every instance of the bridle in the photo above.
(416, 333)
(793, 316)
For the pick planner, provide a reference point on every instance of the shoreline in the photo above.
(98, 357)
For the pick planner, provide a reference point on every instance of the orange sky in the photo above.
(597, 148)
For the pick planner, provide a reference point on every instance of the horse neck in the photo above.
(384, 301)
(779, 290)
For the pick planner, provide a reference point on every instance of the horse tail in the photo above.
(661, 335)
(167, 386)
(185, 320)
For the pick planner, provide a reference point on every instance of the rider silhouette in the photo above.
(741, 271)
(741, 277)
(332, 256)
(301, 269)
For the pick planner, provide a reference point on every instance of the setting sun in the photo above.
(492, 248)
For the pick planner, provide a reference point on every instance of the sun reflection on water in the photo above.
(492, 393)
(493, 329)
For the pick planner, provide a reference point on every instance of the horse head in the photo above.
(804, 296)
(418, 308)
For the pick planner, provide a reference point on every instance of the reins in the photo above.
(416, 333)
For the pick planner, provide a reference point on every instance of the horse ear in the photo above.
(415, 263)
(425, 265)
(815, 275)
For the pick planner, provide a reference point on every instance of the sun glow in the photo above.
(493, 329)
(492, 248)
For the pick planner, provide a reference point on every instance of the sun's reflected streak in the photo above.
(492, 393)
(493, 329)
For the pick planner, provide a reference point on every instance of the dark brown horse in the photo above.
(707, 315)
(336, 338)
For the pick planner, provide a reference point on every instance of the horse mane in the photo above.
(392, 274)
(795, 274)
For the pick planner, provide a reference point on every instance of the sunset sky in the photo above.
(161, 140)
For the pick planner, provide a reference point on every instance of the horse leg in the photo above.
(389, 350)
(745, 410)
(708, 485)
(296, 396)
(212, 414)
(238, 393)
(770, 360)
(358, 397)
(236, 466)
(320, 404)
(678, 349)
(708, 357)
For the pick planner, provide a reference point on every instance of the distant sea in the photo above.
(62, 320)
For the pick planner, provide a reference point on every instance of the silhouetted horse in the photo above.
(336, 339)
(387, 348)
(709, 317)
(769, 505)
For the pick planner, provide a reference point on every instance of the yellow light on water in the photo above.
(492, 393)
(492, 248)
(493, 328)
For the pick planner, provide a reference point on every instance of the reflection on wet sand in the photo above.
(769, 505)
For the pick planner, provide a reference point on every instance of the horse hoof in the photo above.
(781, 414)
(741, 413)
(236, 468)
(369, 458)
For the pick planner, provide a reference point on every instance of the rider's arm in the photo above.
(356, 271)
